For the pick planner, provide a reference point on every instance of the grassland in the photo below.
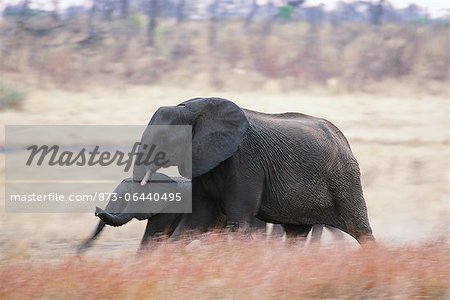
(385, 88)
(224, 267)
(402, 147)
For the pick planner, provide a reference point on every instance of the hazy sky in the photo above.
(435, 7)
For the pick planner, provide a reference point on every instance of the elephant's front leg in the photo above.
(180, 228)
(241, 203)
(238, 216)
(204, 214)
(296, 233)
(159, 224)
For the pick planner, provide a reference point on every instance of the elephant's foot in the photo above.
(366, 240)
(233, 226)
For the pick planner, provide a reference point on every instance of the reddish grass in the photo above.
(224, 267)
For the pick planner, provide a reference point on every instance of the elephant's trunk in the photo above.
(87, 244)
(113, 219)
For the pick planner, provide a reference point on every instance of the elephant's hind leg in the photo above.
(297, 231)
(349, 199)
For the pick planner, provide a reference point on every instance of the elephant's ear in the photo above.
(217, 131)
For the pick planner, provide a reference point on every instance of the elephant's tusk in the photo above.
(146, 177)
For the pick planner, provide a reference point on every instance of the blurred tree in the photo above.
(251, 14)
(267, 27)
(152, 15)
(314, 14)
(376, 12)
(55, 13)
(25, 5)
(180, 11)
(124, 9)
(24, 12)
(295, 3)
(213, 20)
(108, 7)
(92, 26)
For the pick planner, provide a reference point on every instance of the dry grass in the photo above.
(348, 57)
(401, 144)
(219, 266)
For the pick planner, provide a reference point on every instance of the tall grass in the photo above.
(294, 55)
(220, 266)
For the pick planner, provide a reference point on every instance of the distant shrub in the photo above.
(10, 97)
(285, 12)
(137, 21)
(294, 54)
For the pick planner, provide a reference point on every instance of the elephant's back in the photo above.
(296, 124)
(300, 136)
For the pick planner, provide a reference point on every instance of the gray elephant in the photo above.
(290, 168)
(120, 212)
(116, 214)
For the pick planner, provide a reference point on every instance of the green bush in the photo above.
(137, 21)
(10, 97)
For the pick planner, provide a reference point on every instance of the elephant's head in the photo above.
(218, 127)
(121, 208)
(126, 203)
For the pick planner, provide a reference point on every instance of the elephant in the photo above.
(157, 224)
(289, 168)
(115, 214)
(165, 223)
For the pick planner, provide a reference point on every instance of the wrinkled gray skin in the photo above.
(115, 214)
(290, 168)
(156, 224)
(120, 212)
(165, 223)
(143, 210)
